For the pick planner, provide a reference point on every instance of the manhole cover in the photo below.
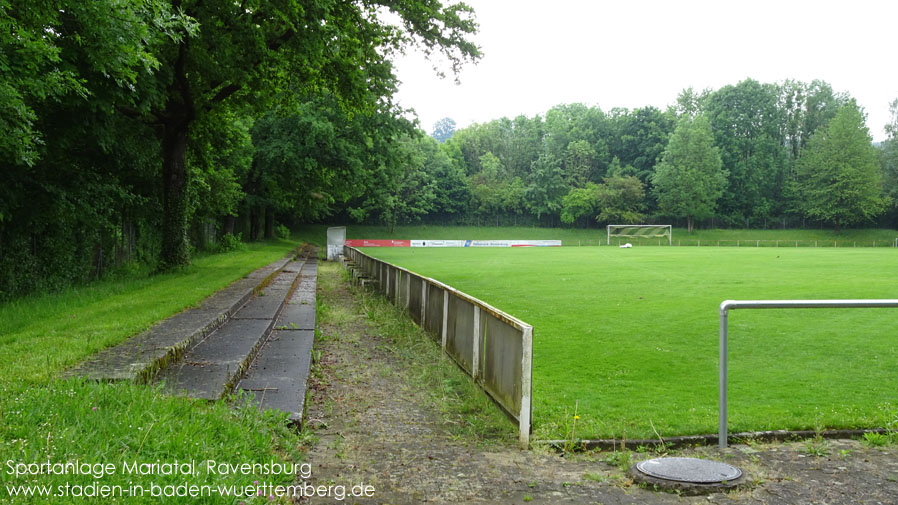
(698, 471)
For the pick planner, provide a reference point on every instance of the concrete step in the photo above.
(141, 357)
(212, 368)
(278, 376)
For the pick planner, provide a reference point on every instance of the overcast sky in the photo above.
(633, 53)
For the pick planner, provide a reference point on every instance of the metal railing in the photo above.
(728, 305)
(493, 347)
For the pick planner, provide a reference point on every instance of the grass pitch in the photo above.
(629, 337)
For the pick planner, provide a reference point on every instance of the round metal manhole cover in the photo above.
(698, 471)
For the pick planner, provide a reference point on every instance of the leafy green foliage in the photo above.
(745, 119)
(689, 179)
(580, 202)
(620, 200)
(838, 175)
(889, 160)
(873, 439)
(129, 135)
(545, 187)
(230, 242)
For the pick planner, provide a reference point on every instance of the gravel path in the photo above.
(374, 428)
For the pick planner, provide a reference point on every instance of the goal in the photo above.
(641, 231)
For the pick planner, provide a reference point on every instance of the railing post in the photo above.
(445, 332)
(526, 381)
(722, 381)
(408, 292)
(423, 301)
(475, 357)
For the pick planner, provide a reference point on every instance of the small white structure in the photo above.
(336, 238)
(626, 246)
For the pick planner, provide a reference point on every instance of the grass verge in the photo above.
(46, 420)
(466, 411)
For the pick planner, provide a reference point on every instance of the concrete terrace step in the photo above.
(141, 357)
(278, 376)
(213, 367)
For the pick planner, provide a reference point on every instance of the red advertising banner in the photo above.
(378, 243)
(452, 243)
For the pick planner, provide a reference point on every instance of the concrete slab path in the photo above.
(278, 375)
(257, 332)
(141, 357)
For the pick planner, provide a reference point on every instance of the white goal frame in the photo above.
(636, 234)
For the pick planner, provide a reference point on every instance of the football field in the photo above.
(629, 337)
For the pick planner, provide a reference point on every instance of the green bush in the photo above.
(282, 232)
(231, 242)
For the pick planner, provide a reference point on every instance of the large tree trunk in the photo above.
(269, 223)
(229, 223)
(690, 223)
(179, 113)
(175, 252)
(255, 224)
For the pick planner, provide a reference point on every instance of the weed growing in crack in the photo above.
(621, 459)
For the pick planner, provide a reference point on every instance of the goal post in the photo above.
(641, 231)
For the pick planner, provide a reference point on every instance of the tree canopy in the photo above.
(838, 175)
(689, 180)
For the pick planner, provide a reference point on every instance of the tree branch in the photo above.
(224, 93)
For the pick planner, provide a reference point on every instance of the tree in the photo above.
(889, 159)
(253, 54)
(486, 187)
(546, 187)
(525, 146)
(620, 200)
(806, 107)
(641, 136)
(837, 177)
(689, 179)
(451, 189)
(580, 202)
(71, 48)
(399, 190)
(312, 155)
(690, 102)
(580, 162)
(77, 184)
(479, 139)
(747, 123)
(891, 128)
(443, 129)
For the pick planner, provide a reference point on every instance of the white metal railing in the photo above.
(728, 305)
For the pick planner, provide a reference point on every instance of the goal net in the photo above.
(641, 231)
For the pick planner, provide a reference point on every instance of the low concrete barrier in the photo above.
(495, 348)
